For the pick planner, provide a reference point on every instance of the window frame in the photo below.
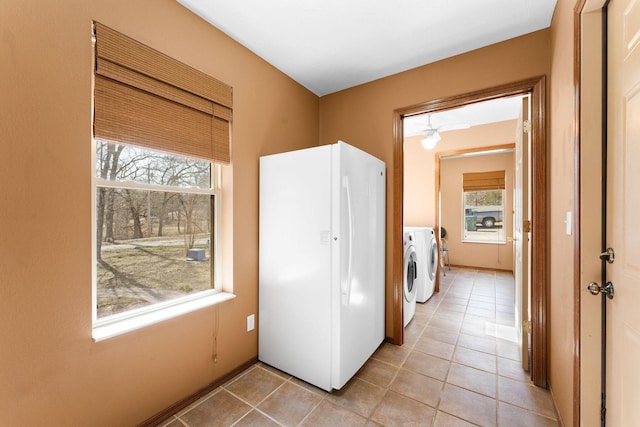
(137, 318)
(502, 236)
(125, 72)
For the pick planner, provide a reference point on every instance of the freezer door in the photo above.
(294, 271)
(358, 279)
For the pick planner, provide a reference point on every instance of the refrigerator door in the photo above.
(295, 264)
(358, 258)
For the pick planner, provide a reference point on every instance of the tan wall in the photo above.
(52, 372)
(420, 198)
(498, 256)
(561, 200)
(363, 115)
(419, 165)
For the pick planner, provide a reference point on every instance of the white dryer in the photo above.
(427, 260)
(410, 276)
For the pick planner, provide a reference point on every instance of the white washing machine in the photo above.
(410, 276)
(427, 259)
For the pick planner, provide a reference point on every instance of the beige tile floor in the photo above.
(459, 366)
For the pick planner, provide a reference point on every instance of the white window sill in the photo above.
(118, 326)
(484, 242)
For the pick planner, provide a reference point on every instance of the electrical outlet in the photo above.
(251, 322)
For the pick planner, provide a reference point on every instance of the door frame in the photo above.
(536, 87)
(587, 174)
(440, 155)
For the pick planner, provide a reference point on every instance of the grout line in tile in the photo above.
(446, 376)
(262, 413)
(479, 282)
(314, 408)
(176, 418)
(197, 403)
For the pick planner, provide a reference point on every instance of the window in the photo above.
(155, 227)
(483, 207)
(161, 137)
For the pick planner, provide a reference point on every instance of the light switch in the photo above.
(568, 224)
(251, 322)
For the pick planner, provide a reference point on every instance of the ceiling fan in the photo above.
(432, 133)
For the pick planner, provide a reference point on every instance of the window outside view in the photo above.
(154, 222)
(483, 216)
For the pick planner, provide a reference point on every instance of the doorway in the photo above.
(535, 88)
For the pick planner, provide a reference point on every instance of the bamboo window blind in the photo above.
(483, 181)
(144, 97)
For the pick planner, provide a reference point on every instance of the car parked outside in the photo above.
(487, 218)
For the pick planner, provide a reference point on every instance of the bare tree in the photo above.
(162, 210)
(177, 172)
(135, 205)
(188, 202)
(108, 155)
(196, 213)
(117, 162)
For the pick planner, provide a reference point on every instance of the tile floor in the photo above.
(459, 366)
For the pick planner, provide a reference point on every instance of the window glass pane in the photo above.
(119, 162)
(152, 246)
(483, 216)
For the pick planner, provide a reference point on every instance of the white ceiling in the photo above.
(496, 110)
(330, 45)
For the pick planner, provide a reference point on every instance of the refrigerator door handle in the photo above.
(346, 290)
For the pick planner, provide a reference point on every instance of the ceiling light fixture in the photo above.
(431, 138)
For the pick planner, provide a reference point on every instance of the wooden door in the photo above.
(623, 213)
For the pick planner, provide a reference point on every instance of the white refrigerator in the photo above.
(322, 256)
